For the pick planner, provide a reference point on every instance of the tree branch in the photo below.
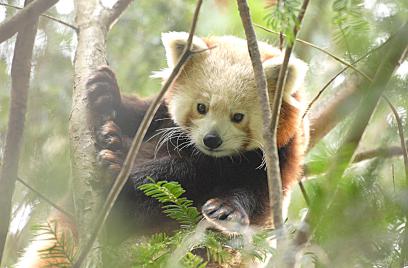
(337, 75)
(337, 58)
(401, 135)
(114, 13)
(404, 246)
(137, 140)
(269, 135)
(89, 186)
(20, 83)
(341, 103)
(46, 199)
(365, 110)
(45, 16)
(24, 17)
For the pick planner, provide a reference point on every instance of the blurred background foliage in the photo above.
(363, 226)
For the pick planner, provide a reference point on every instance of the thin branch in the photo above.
(337, 58)
(24, 17)
(20, 83)
(46, 199)
(404, 246)
(401, 135)
(115, 12)
(340, 104)
(137, 140)
(379, 152)
(304, 193)
(337, 75)
(369, 102)
(45, 16)
(269, 134)
(382, 152)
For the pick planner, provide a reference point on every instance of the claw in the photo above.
(225, 215)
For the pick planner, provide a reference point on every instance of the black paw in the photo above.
(225, 214)
(103, 92)
(110, 160)
(109, 136)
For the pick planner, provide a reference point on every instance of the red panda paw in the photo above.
(109, 136)
(110, 160)
(103, 92)
(226, 215)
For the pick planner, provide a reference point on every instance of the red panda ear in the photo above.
(295, 77)
(174, 44)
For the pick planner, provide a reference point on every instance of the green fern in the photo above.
(176, 207)
(63, 248)
(219, 248)
(193, 261)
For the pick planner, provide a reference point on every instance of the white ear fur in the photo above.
(295, 77)
(174, 44)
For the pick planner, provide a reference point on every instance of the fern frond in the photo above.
(62, 251)
(178, 208)
(193, 261)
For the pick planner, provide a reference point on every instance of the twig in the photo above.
(337, 75)
(401, 135)
(20, 83)
(304, 193)
(43, 197)
(277, 102)
(385, 152)
(357, 127)
(341, 103)
(371, 97)
(269, 134)
(337, 58)
(137, 140)
(379, 152)
(45, 16)
(404, 247)
(114, 13)
(23, 18)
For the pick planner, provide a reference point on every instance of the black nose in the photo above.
(212, 140)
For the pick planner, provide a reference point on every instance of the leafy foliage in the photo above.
(62, 251)
(283, 18)
(218, 248)
(176, 207)
(350, 18)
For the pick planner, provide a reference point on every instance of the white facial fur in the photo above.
(222, 79)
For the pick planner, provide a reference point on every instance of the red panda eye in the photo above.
(201, 108)
(237, 117)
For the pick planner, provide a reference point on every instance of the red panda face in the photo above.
(218, 121)
(214, 99)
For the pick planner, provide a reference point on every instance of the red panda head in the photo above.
(215, 100)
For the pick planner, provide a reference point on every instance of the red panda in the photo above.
(207, 135)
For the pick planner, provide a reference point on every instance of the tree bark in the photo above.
(20, 83)
(24, 18)
(269, 129)
(137, 140)
(89, 186)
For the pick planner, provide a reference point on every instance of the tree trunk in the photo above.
(20, 83)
